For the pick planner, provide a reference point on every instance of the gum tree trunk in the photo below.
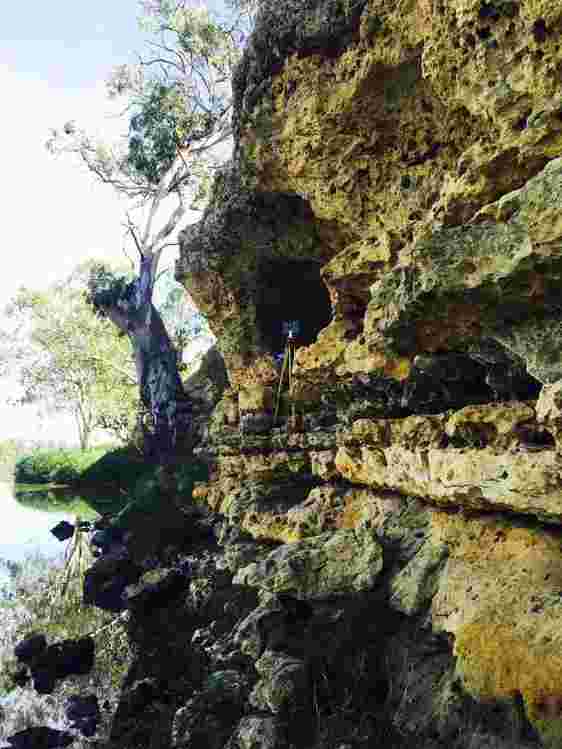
(161, 389)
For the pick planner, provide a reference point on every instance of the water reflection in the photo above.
(27, 513)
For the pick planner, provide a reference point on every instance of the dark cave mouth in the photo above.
(287, 291)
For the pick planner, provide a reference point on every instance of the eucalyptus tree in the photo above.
(65, 356)
(178, 104)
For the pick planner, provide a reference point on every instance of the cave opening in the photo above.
(291, 290)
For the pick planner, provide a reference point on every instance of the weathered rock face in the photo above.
(410, 152)
(388, 519)
(205, 388)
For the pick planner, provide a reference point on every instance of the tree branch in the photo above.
(132, 232)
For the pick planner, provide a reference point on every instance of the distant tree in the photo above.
(179, 105)
(66, 356)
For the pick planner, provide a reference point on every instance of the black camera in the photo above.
(291, 328)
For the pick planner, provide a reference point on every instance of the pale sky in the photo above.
(54, 60)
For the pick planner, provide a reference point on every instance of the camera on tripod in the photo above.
(291, 328)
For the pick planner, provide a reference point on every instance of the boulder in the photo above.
(106, 538)
(28, 649)
(285, 684)
(155, 589)
(61, 660)
(107, 579)
(83, 713)
(40, 737)
(347, 561)
(273, 626)
(207, 720)
(63, 530)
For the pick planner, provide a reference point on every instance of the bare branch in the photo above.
(130, 259)
(132, 232)
(161, 61)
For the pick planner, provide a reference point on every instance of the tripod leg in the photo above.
(292, 418)
(285, 357)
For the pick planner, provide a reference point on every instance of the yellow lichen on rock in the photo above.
(487, 463)
(499, 596)
(496, 422)
(327, 351)
(255, 397)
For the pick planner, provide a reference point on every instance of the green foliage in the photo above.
(8, 454)
(180, 97)
(161, 127)
(73, 360)
(63, 466)
(97, 466)
(105, 287)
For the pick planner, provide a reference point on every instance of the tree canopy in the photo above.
(65, 355)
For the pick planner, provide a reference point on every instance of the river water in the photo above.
(25, 529)
(27, 515)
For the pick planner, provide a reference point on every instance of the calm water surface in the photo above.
(28, 513)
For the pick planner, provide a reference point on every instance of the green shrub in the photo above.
(98, 465)
(62, 466)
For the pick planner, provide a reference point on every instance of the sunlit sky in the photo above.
(54, 60)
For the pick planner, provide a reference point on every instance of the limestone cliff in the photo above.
(375, 557)
(397, 188)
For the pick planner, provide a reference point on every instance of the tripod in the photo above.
(288, 362)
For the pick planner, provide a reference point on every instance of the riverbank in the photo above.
(74, 467)
(132, 483)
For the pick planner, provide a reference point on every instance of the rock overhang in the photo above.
(388, 161)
